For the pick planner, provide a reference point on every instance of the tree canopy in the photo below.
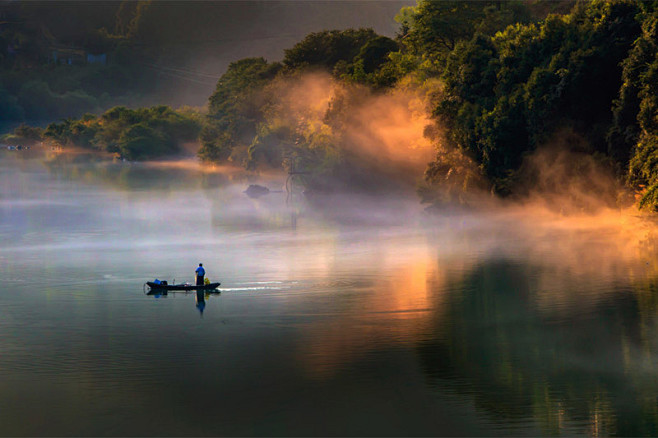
(325, 49)
(236, 107)
(140, 134)
(508, 93)
(504, 78)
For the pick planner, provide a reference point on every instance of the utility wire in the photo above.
(181, 74)
(183, 70)
(186, 78)
(204, 42)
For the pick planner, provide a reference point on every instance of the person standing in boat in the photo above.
(200, 273)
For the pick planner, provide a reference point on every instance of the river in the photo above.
(360, 317)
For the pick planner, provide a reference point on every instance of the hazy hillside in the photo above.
(205, 37)
(157, 52)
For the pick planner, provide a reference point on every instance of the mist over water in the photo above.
(350, 315)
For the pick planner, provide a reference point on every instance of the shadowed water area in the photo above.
(361, 317)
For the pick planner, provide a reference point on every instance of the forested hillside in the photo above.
(582, 80)
(502, 80)
(467, 96)
(64, 58)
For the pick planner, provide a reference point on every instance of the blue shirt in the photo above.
(200, 271)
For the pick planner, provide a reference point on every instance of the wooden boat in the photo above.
(184, 286)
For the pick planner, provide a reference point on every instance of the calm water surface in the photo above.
(357, 321)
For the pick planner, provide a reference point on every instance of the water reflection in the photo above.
(154, 176)
(388, 308)
(200, 296)
(352, 324)
(591, 371)
(200, 302)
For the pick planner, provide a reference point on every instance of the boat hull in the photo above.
(166, 287)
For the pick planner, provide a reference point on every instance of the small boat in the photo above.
(184, 286)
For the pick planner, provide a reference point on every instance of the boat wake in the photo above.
(252, 288)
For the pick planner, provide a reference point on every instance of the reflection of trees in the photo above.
(138, 178)
(222, 187)
(589, 372)
(166, 176)
(234, 210)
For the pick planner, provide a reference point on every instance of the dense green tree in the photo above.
(138, 134)
(236, 107)
(23, 135)
(435, 27)
(432, 29)
(326, 49)
(643, 169)
(271, 145)
(373, 65)
(216, 144)
(141, 141)
(505, 94)
(60, 133)
(29, 133)
(636, 113)
(375, 52)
